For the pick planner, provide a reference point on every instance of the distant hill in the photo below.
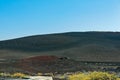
(84, 46)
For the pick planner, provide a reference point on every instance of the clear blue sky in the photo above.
(30, 17)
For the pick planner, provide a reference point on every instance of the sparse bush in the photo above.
(93, 76)
(5, 75)
(14, 75)
(19, 75)
(39, 74)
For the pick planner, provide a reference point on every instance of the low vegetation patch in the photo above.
(93, 76)
(14, 75)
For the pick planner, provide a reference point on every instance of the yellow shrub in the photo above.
(94, 76)
(18, 75)
(4, 75)
(39, 74)
(79, 76)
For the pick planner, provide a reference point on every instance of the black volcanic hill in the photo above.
(85, 46)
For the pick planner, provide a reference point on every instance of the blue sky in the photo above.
(32, 17)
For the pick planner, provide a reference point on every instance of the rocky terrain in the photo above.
(62, 52)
